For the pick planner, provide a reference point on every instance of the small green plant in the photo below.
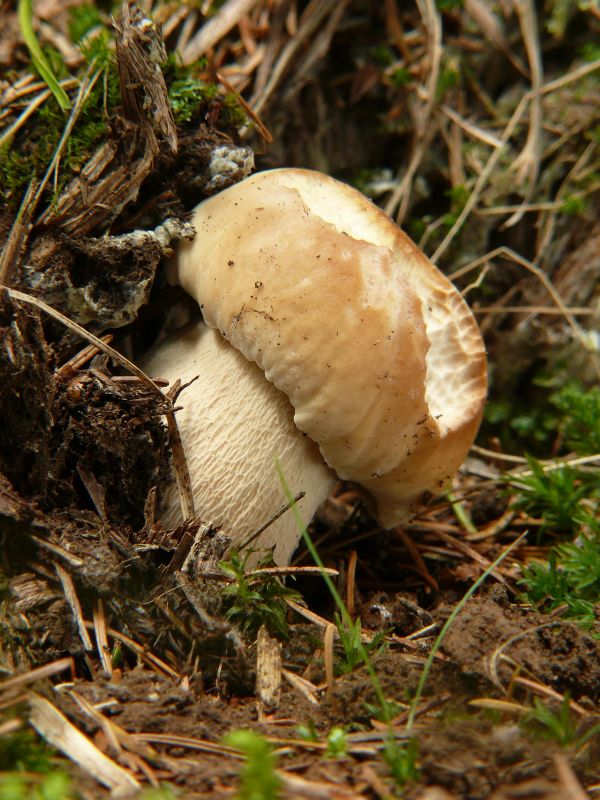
(571, 576)
(53, 786)
(258, 778)
(337, 742)
(401, 759)
(580, 425)
(337, 738)
(553, 495)
(546, 723)
(255, 599)
(308, 732)
(24, 751)
(353, 646)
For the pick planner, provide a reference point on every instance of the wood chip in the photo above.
(56, 729)
(268, 671)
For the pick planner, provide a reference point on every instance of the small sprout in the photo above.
(337, 742)
(580, 425)
(258, 779)
(571, 577)
(559, 725)
(255, 600)
(553, 495)
(308, 732)
(353, 646)
(401, 760)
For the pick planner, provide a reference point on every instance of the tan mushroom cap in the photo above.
(378, 353)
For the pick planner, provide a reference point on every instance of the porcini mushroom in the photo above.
(340, 347)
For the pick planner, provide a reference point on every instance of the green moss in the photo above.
(590, 51)
(54, 786)
(233, 114)
(449, 5)
(448, 79)
(34, 146)
(400, 76)
(189, 96)
(382, 55)
(83, 19)
(573, 206)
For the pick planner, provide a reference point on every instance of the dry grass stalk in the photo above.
(313, 790)
(328, 657)
(101, 637)
(16, 241)
(310, 21)
(546, 691)
(74, 604)
(227, 17)
(37, 674)
(306, 688)
(156, 663)
(423, 129)
(180, 467)
(568, 779)
(173, 740)
(527, 164)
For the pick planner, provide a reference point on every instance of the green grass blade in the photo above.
(442, 634)
(345, 617)
(37, 56)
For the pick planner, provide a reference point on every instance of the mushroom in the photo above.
(330, 342)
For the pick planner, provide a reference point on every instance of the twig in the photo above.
(182, 473)
(209, 34)
(73, 601)
(571, 786)
(423, 128)
(253, 536)
(527, 164)
(37, 674)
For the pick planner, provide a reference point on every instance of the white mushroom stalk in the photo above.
(234, 424)
(346, 327)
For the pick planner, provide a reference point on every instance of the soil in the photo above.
(462, 750)
(157, 674)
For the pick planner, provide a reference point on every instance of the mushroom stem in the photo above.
(233, 425)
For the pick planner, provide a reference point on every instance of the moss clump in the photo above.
(28, 155)
(189, 96)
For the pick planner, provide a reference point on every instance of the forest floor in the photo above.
(461, 658)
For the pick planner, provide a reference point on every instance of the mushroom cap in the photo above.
(378, 353)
